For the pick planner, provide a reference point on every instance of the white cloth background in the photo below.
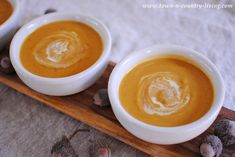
(209, 31)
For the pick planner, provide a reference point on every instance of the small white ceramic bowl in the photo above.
(9, 27)
(66, 85)
(156, 134)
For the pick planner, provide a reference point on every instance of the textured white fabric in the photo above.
(209, 31)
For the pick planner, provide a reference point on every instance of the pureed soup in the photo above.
(166, 91)
(5, 10)
(61, 49)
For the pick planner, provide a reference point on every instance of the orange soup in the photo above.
(166, 91)
(5, 10)
(61, 49)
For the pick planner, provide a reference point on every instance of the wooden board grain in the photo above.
(80, 106)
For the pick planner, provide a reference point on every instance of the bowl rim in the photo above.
(117, 107)
(16, 11)
(60, 16)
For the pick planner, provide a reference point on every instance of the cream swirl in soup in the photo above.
(64, 50)
(162, 93)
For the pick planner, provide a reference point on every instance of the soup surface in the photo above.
(166, 91)
(5, 10)
(61, 49)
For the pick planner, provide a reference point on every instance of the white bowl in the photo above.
(156, 134)
(65, 85)
(9, 27)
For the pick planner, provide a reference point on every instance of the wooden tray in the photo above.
(80, 106)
